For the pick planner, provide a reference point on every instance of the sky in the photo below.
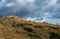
(35, 10)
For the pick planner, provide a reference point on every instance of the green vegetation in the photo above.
(13, 27)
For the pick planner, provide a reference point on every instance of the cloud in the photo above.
(29, 18)
(52, 2)
(2, 2)
(36, 10)
(46, 13)
(10, 4)
(21, 2)
(53, 21)
(44, 4)
(24, 2)
(36, 19)
(31, 1)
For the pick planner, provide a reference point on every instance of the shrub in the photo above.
(20, 25)
(28, 29)
(38, 26)
(18, 32)
(54, 35)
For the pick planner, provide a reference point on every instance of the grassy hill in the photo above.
(13, 27)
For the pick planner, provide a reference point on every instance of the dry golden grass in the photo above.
(13, 27)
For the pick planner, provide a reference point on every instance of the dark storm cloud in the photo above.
(57, 14)
(13, 8)
(22, 12)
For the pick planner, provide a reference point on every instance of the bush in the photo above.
(21, 24)
(28, 29)
(38, 26)
(54, 35)
(18, 32)
(18, 25)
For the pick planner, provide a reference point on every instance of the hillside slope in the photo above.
(13, 27)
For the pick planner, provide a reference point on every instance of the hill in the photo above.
(13, 27)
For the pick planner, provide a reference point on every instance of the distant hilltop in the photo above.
(14, 27)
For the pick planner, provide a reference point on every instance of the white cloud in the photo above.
(20, 1)
(10, 4)
(48, 3)
(23, 2)
(53, 21)
(57, 6)
(2, 2)
(36, 19)
(29, 18)
(52, 2)
(31, 1)
(46, 13)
